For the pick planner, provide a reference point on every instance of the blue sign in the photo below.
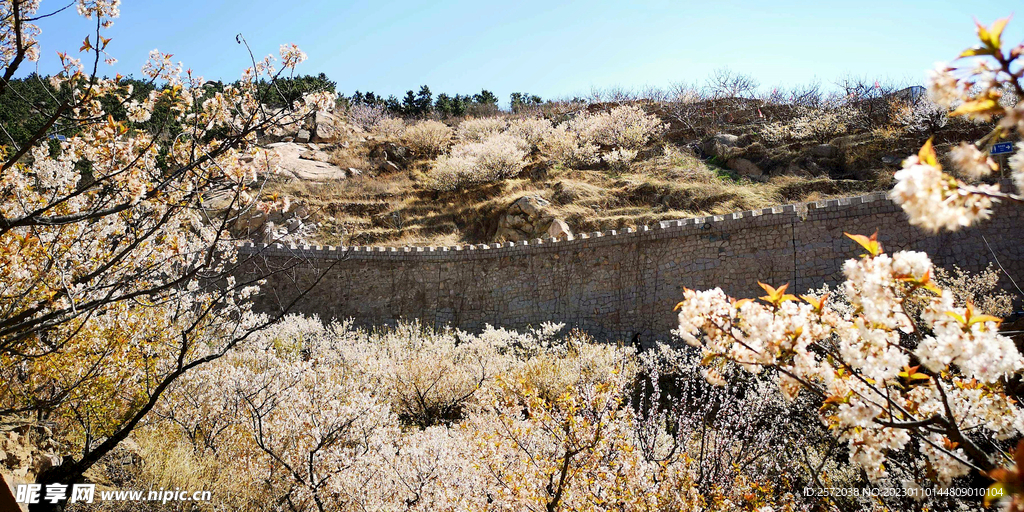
(1002, 148)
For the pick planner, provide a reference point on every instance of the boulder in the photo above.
(391, 152)
(824, 151)
(744, 167)
(293, 224)
(515, 221)
(724, 145)
(292, 163)
(529, 218)
(559, 229)
(794, 169)
(726, 139)
(302, 136)
(532, 206)
(326, 127)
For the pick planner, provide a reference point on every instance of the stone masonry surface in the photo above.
(613, 284)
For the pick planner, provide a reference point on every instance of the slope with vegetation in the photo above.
(423, 175)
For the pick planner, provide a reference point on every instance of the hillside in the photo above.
(375, 183)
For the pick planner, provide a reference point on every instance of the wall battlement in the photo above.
(615, 283)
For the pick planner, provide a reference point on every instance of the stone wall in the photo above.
(614, 284)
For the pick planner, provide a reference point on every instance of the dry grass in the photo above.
(666, 180)
(397, 209)
(355, 156)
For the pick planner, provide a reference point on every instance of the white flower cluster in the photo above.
(860, 358)
(934, 200)
(981, 93)
(625, 127)
(567, 147)
(971, 161)
(944, 88)
(497, 157)
(972, 344)
(291, 55)
(427, 137)
(477, 130)
(620, 159)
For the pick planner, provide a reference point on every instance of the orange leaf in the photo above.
(987, 105)
(776, 296)
(818, 303)
(927, 154)
(956, 317)
(869, 243)
(992, 37)
(977, 51)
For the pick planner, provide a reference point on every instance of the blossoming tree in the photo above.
(115, 278)
(892, 382)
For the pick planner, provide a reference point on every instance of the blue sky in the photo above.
(554, 49)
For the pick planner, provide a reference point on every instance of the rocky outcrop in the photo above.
(319, 127)
(327, 127)
(528, 218)
(392, 157)
(724, 145)
(824, 151)
(297, 225)
(306, 162)
(744, 167)
(26, 449)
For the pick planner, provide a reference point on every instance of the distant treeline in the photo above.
(22, 113)
(423, 103)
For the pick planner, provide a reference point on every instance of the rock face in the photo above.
(529, 218)
(744, 167)
(315, 154)
(391, 152)
(25, 450)
(824, 151)
(724, 145)
(320, 126)
(326, 127)
(304, 162)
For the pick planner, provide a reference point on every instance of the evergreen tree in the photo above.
(423, 101)
(520, 100)
(409, 104)
(485, 98)
(444, 104)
